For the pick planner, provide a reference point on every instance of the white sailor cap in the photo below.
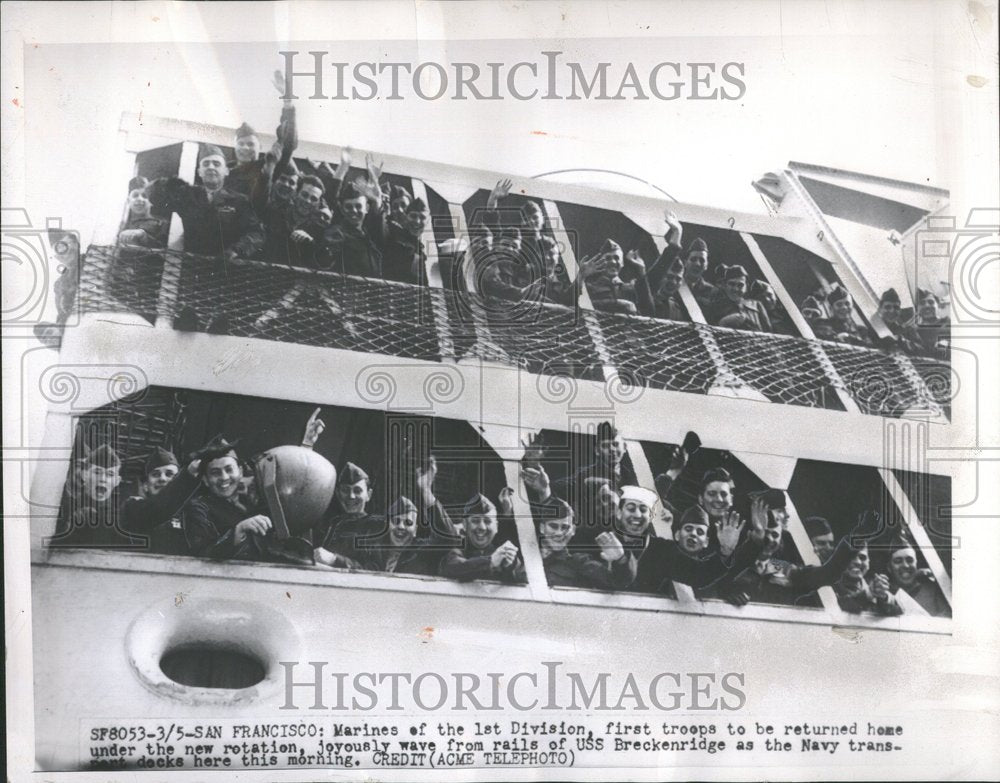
(638, 494)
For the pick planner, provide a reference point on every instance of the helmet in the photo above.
(297, 484)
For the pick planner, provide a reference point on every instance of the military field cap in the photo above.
(402, 506)
(158, 459)
(211, 151)
(352, 474)
(695, 515)
(890, 296)
(479, 506)
(103, 457)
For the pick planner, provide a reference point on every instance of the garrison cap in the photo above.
(402, 506)
(352, 474)
(479, 506)
(158, 459)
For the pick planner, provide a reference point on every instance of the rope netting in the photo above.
(291, 304)
(878, 382)
(784, 369)
(658, 354)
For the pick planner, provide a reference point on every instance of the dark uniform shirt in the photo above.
(470, 563)
(89, 523)
(209, 527)
(404, 259)
(159, 515)
(349, 250)
(212, 224)
(566, 569)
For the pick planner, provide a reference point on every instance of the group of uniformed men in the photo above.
(595, 529)
(263, 206)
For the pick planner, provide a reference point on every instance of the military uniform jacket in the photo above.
(753, 311)
(404, 258)
(209, 527)
(470, 563)
(159, 515)
(663, 562)
(669, 307)
(607, 294)
(212, 225)
(703, 292)
(280, 248)
(88, 523)
(566, 569)
(353, 251)
(420, 556)
(348, 534)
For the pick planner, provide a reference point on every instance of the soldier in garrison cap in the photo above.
(902, 335)
(141, 227)
(732, 300)
(226, 519)
(398, 549)
(695, 267)
(348, 521)
(907, 578)
(763, 293)
(613, 569)
(932, 330)
(90, 512)
(486, 554)
(846, 330)
(156, 510)
(616, 280)
(405, 258)
(667, 301)
(252, 174)
(688, 558)
(353, 244)
(217, 222)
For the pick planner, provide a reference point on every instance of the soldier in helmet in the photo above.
(156, 510)
(485, 554)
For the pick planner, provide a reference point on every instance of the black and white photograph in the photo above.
(501, 391)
